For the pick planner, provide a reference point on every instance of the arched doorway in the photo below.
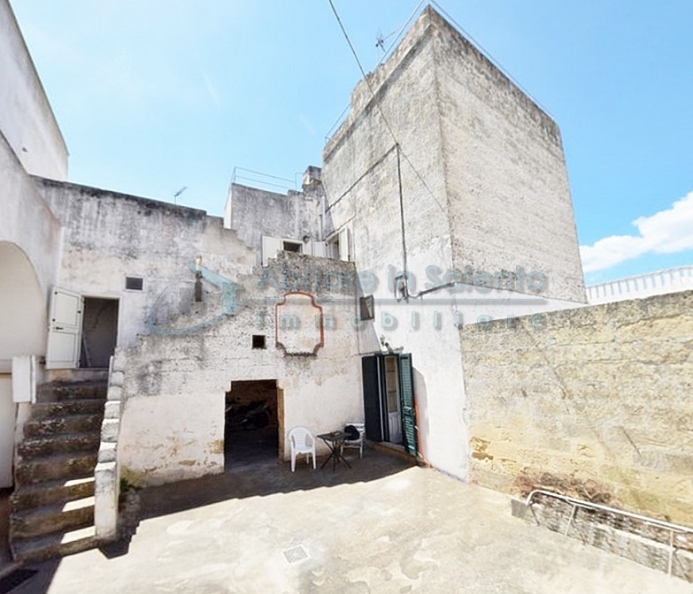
(22, 332)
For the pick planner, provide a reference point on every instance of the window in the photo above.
(259, 341)
(271, 246)
(134, 283)
(292, 246)
(339, 245)
(366, 307)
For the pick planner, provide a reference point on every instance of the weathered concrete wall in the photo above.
(252, 213)
(506, 179)
(26, 117)
(413, 120)
(593, 402)
(109, 236)
(361, 176)
(174, 386)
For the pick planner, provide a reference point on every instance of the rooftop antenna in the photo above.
(380, 41)
(178, 193)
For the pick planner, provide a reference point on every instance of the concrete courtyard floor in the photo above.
(381, 527)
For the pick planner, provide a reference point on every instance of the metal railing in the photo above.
(580, 503)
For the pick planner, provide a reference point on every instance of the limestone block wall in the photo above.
(593, 402)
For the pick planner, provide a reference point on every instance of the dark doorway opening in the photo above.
(388, 399)
(99, 332)
(251, 425)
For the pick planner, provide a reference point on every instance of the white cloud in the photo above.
(307, 124)
(665, 232)
(211, 89)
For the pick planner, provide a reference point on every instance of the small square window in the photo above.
(292, 246)
(259, 341)
(366, 307)
(134, 283)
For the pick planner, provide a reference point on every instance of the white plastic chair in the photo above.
(356, 443)
(302, 442)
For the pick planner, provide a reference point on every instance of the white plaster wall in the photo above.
(22, 306)
(182, 433)
(26, 117)
(26, 220)
(30, 235)
(109, 236)
(169, 378)
(7, 414)
(22, 332)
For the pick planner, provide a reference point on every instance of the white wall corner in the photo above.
(106, 495)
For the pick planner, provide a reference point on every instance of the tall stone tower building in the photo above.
(452, 182)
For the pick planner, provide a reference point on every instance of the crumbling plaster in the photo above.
(109, 236)
(253, 212)
(393, 173)
(174, 384)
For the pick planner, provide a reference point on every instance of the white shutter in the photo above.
(271, 246)
(320, 249)
(65, 330)
(344, 245)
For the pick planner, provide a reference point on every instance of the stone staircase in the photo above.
(52, 507)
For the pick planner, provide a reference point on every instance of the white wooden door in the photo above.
(7, 408)
(270, 247)
(319, 249)
(65, 330)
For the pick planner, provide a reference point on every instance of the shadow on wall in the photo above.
(421, 400)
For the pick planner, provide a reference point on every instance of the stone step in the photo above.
(63, 425)
(40, 447)
(62, 391)
(61, 517)
(54, 545)
(44, 410)
(51, 492)
(62, 466)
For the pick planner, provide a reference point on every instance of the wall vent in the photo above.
(134, 283)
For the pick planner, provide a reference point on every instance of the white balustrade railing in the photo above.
(644, 285)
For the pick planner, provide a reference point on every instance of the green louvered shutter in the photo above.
(406, 386)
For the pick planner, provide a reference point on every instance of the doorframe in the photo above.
(379, 381)
(108, 297)
(84, 296)
(280, 413)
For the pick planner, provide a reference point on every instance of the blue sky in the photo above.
(156, 95)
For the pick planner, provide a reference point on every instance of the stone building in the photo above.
(132, 329)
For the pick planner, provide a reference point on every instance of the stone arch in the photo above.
(23, 310)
